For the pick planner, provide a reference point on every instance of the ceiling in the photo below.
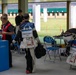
(16, 1)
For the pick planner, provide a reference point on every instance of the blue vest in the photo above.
(27, 25)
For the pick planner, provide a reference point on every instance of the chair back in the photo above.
(49, 40)
(13, 36)
(73, 43)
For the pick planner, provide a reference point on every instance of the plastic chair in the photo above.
(73, 46)
(50, 45)
(72, 53)
(16, 44)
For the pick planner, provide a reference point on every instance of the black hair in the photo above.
(19, 11)
(26, 16)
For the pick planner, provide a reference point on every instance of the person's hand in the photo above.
(3, 32)
(22, 21)
(13, 41)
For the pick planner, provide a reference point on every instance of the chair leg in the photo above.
(59, 54)
(15, 49)
(47, 54)
(54, 55)
(71, 67)
(45, 57)
(60, 57)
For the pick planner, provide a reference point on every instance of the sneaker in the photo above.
(28, 72)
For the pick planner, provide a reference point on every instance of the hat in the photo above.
(26, 16)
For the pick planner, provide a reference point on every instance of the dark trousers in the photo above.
(10, 57)
(67, 47)
(68, 50)
(29, 61)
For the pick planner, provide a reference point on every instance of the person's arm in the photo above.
(10, 29)
(35, 34)
(8, 33)
(19, 36)
(17, 20)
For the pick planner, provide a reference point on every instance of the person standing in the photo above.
(18, 19)
(30, 41)
(7, 31)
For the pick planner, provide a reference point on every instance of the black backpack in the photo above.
(40, 51)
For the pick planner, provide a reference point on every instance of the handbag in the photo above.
(40, 51)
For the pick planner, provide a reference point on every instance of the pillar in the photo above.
(36, 16)
(45, 14)
(68, 14)
(23, 5)
(4, 6)
(73, 18)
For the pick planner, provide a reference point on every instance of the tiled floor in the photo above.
(42, 68)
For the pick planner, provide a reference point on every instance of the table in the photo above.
(62, 49)
(59, 37)
(4, 55)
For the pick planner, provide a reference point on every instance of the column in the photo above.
(23, 5)
(73, 18)
(4, 6)
(36, 16)
(45, 14)
(68, 14)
